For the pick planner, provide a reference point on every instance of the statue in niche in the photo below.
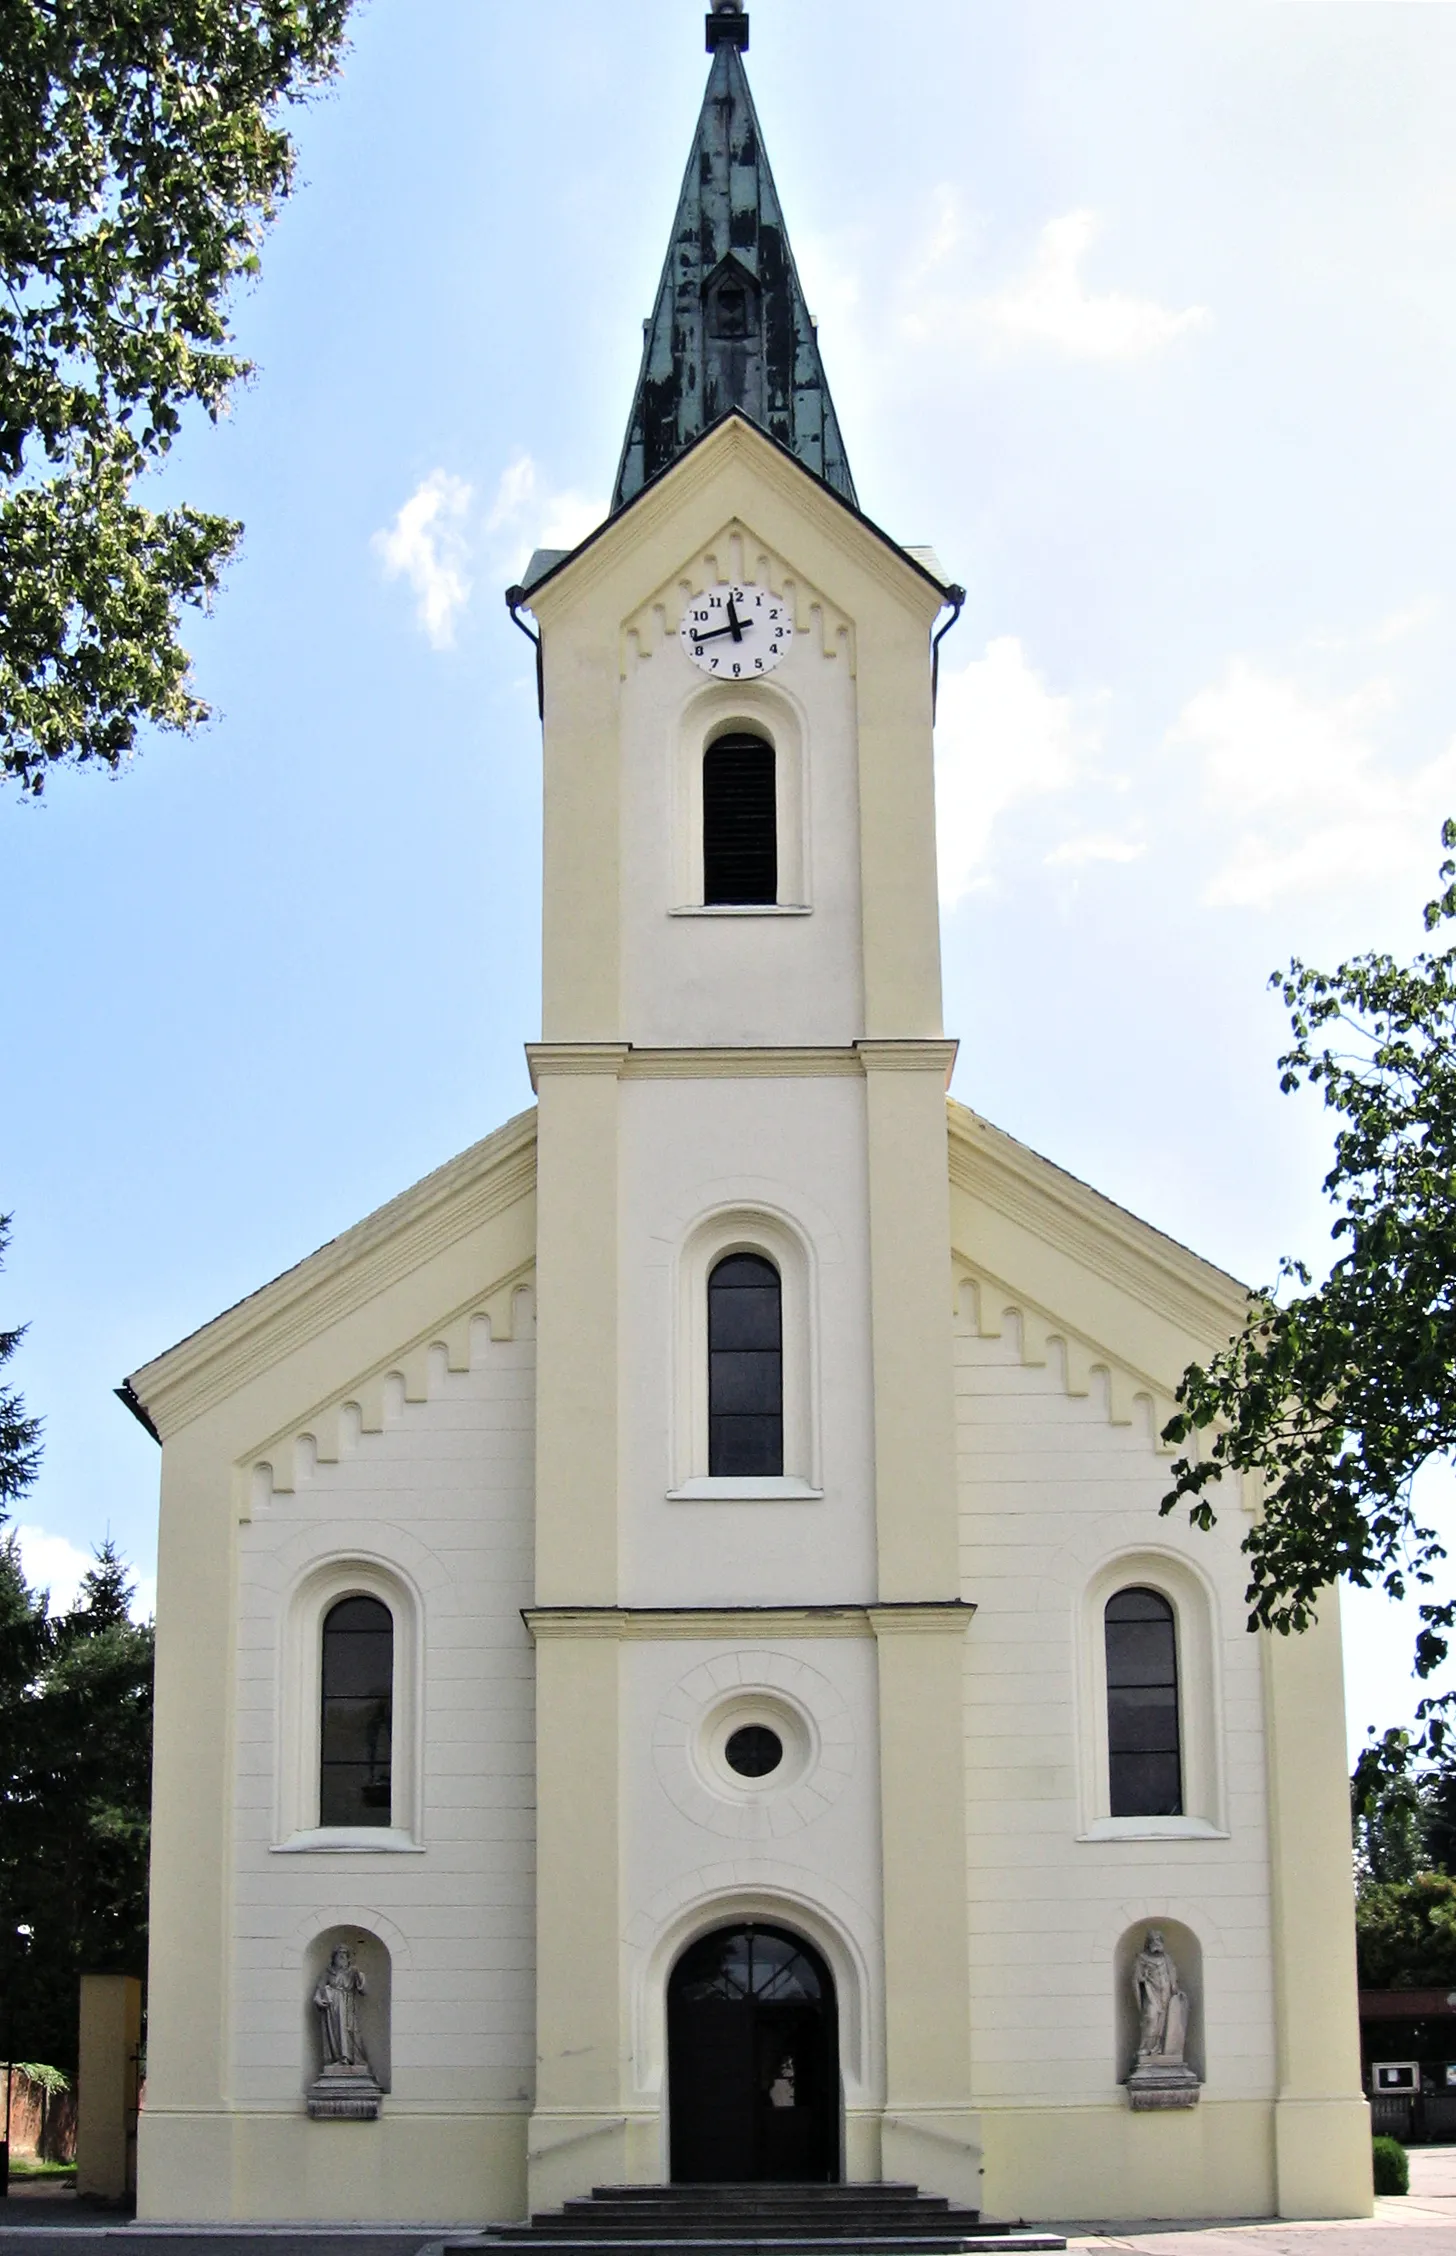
(347, 2091)
(337, 1995)
(1161, 2077)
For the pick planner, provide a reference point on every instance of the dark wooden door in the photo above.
(752, 2060)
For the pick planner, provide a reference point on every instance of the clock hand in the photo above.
(735, 628)
(734, 622)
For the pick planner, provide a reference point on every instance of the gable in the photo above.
(456, 1246)
(732, 472)
(1078, 1275)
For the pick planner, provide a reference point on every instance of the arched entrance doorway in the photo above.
(752, 2060)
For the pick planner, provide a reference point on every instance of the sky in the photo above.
(1140, 314)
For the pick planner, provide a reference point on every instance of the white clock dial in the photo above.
(737, 631)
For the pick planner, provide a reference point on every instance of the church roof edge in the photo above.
(258, 1309)
(547, 564)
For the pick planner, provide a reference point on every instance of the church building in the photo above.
(670, 1670)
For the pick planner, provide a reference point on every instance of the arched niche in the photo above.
(1186, 1952)
(371, 1956)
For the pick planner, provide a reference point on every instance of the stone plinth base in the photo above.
(1162, 2084)
(345, 2095)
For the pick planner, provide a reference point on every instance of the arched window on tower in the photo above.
(740, 823)
(1144, 1755)
(357, 1718)
(745, 1369)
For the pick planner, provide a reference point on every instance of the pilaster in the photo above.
(917, 1505)
(1322, 2120)
(931, 2133)
(576, 1321)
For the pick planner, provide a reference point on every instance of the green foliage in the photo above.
(46, 2079)
(1334, 1397)
(1391, 2165)
(75, 1784)
(141, 159)
(19, 1434)
(1405, 1932)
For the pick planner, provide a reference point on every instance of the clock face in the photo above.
(736, 632)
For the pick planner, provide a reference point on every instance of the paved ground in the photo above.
(1425, 2219)
(50, 2220)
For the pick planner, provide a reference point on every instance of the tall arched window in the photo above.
(358, 1714)
(745, 1368)
(1144, 1759)
(740, 823)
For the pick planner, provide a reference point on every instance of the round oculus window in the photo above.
(753, 1750)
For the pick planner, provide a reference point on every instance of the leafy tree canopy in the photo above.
(75, 1785)
(1334, 1396)
(1403, 1820)
(141, 157)
(19, 1434)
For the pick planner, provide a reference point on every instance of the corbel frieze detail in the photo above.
(502, 1313)
(983, 1304)
(737, 554)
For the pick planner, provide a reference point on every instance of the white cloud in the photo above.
(1300, 780)
(1051, 305)
(1095, 846)
(440, 534)
(524, 516)
(54, 1563)
(428, 545)
(1001, 736)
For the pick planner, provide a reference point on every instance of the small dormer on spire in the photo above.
(730, 328)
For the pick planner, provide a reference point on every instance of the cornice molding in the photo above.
(1153, 1269)
(1081, 1356)
(634, 1624)
(911, 1056)
(344, 1275)
(627, 1063)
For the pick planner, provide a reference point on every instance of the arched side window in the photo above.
(745, 1368)
(356, 1723)
(1144, 1754)
(740, 823)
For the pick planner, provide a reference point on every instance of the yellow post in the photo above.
(106, 2086)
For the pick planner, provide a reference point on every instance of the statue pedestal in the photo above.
(1162, 2083)
(345, 2095)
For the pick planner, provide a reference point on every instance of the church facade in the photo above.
(669, 1666)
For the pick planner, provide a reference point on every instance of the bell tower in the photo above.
(745, 1430)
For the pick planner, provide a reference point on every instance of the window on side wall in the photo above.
(740, 823)
(1144, 1751)
(745, 1369)
(357, 1719)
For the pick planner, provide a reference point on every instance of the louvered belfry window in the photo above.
(1144, 1757)
(745, 1368)
(740, 823)
(358, 1714)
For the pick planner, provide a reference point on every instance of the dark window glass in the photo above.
(740, 821)
(753, 1751)
(745, 1368)
(358, 1705)
(1142, 1706)
(730, 311)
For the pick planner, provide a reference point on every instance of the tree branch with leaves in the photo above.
(1335, 1395)
(141, 159)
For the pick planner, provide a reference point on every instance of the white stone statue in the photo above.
(337, 1996)
(1160, 2077)
(1162, 2006)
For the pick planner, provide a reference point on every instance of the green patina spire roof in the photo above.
(730, 328)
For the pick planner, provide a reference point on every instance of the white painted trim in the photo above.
(1200, 1699)
(300, 1657)
(745, 909)
(742, 1490)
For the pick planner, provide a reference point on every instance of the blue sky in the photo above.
(1141, 315)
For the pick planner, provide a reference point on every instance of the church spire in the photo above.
(730, 328)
